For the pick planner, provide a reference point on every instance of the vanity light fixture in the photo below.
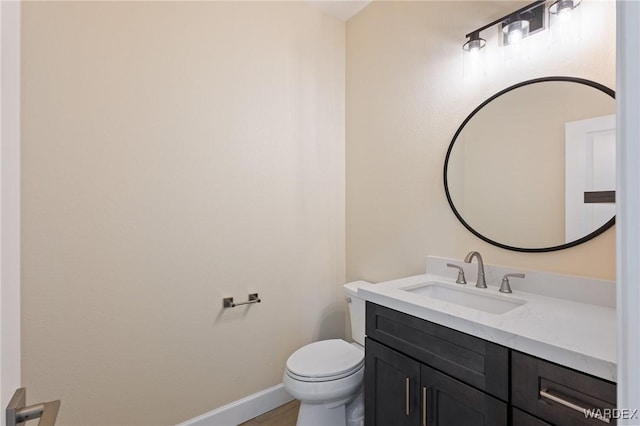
(522, 23)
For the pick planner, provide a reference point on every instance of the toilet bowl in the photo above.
(327, 376)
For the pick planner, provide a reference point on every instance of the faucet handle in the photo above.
(460, 279)
(505, 287)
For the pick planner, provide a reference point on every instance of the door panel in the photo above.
(9, 201)
(590, 166)
(391, 387)
(450, 402)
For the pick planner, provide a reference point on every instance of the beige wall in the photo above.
(406, 96)
(175, 153)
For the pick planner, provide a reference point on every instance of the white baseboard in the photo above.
(243, 409)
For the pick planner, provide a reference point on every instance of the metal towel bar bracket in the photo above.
(17, 413)
(227, 302)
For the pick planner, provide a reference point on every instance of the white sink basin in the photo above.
(493, 304)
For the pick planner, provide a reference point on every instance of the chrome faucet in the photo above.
(480, 283)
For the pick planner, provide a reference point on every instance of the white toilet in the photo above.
(327, 376)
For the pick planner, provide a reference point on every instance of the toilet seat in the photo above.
(324, 379)
(324, 361)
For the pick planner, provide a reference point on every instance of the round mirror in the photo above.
(532, 168)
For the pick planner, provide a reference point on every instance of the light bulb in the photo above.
(472, 57)
(564, 21)
(565, 11)
(514, 36)
(516, 31)
(474, 47)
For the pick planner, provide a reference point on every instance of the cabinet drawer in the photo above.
(469, 359)
(558, 394)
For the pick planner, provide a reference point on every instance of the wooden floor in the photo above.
(285, 415)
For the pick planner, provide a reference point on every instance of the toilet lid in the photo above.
(327, 358)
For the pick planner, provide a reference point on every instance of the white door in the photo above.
(11, 392)
(9, 201)
(590, 166)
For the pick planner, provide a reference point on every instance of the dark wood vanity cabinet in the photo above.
(404, 391)
(422, 374)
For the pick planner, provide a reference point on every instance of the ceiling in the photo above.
(342, 9)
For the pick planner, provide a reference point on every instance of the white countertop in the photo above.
(581, 336)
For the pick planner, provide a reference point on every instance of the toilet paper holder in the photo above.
(227, 302)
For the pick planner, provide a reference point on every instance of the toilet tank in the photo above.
(356, 309)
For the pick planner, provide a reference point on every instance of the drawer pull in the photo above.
(544, 393)
(406, 396)
(424, 406)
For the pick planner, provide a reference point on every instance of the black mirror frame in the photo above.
(586, 238)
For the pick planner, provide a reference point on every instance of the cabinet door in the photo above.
(449, 402)
(392, 383)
